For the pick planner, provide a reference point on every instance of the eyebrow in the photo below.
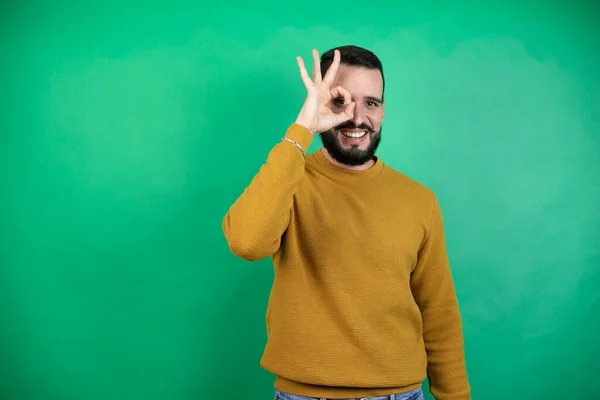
(375, 99)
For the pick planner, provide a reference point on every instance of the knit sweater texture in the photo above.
(363, 301)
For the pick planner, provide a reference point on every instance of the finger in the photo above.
(332, 71)
(339, 91)
(347, 114)
(303, 72)
(316, 66)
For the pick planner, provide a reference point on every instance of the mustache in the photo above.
(351, 125)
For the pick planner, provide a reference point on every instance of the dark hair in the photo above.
(354, 56)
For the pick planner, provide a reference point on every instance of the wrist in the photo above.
(306, 125)
(300, 134)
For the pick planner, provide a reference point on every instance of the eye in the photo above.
(372, 104)
(339, 101)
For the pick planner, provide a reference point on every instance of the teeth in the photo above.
(354, 135)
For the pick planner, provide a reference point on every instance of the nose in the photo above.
(359, 115)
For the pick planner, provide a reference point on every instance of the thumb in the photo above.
(346, 114)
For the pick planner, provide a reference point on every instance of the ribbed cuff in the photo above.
(301, 135)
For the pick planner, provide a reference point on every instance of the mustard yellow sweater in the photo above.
(363, 301)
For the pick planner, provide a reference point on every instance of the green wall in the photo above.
(128, 129)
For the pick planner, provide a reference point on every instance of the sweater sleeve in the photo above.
(434, 292)
(254, 224)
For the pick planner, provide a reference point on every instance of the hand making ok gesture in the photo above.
(316, 114)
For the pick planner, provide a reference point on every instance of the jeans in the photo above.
(416, 394)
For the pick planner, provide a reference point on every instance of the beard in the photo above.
(352, 156)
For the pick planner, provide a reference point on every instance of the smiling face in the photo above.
(354, 142)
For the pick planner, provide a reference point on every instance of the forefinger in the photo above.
(339, 91)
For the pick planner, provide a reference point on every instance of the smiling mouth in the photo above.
(353, 134)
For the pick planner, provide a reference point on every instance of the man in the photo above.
(363, 302)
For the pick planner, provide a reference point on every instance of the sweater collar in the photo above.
(335, 171)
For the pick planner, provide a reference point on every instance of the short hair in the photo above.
(353, 56)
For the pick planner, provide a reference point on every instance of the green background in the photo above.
(128, 129)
